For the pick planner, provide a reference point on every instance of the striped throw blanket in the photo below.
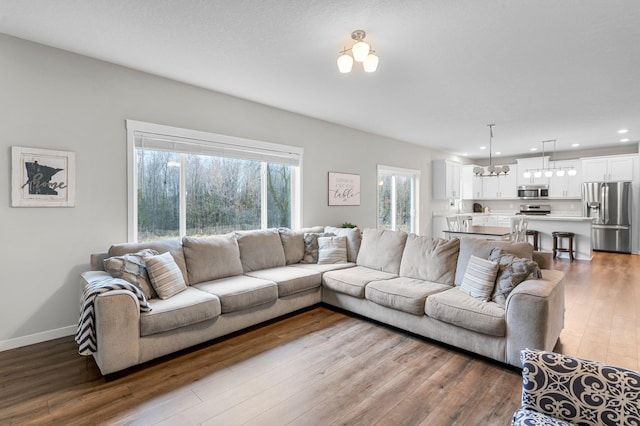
(86, 334)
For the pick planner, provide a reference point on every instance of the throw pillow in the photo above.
(311, 246)
(132, 268)
(479, 278)
(354, 239)
(512, 271)
(166, 278)
(482, 248)
(332, 250)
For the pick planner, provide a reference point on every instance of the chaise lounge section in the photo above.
(237, 280)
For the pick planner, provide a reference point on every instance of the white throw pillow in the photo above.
(332, 250)
(479, 278)
(166, 278)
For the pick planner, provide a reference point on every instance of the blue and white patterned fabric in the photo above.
(577, 391)
(86, 333)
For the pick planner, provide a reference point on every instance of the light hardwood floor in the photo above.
(320, 367)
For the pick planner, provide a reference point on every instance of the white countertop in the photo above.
(561, 216)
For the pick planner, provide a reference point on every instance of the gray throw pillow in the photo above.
(354, 239)
(311, 246)
(482, 248)
(166, 277)
(479, 278)
(512, 271)
(332, 250)
(132, 268)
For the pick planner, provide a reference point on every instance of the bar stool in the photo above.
(536, 238)
(557, 241)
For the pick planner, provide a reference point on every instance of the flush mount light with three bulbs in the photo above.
(360, 52)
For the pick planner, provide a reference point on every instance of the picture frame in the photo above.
(42, 177)
(344, 189)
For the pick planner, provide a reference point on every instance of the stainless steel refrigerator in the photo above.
(609, 203)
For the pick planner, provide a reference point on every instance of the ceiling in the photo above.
(539, 69)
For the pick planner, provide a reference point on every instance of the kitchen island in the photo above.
(544, 224)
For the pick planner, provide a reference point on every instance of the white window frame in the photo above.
(415, 211)
(206, 140)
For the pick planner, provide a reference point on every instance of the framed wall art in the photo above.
(344, 189)
(42, 177)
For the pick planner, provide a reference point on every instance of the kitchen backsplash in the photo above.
(569, 207)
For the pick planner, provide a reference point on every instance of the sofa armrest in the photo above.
(117, 326)
(544, 259)
(535, 314)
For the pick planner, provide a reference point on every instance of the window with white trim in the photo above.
(187, 182)
(398, 191)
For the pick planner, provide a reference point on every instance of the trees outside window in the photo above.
(398, 199)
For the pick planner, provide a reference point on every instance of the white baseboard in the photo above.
(18, 342)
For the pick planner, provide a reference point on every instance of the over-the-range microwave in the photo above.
(533, 192)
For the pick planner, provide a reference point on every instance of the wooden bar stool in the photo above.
(536, 238)
(557, 242)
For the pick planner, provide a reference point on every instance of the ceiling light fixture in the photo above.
(622, 131)
(361, 52)
(624, 140)
(549, 171)
(491, 169)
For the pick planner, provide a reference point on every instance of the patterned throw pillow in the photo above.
(332, 250)
(311, 246)
(166, 277)
(479, 278)
(132, 268)
(512, 271)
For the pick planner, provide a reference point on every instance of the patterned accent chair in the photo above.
(562, 390)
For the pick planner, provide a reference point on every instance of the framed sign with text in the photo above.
(42, 177)
(344, 189)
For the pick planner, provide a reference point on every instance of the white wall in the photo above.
(58, 100)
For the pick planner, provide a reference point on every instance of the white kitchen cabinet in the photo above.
(566, 186)
(605, 169)
(471, 185)
(532, 164)
(501, 187)
(446, 180)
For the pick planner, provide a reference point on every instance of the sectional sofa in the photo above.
(237, 280)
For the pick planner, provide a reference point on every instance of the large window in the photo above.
(398, 199)
(185, 182)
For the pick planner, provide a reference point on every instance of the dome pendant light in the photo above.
(360, 52)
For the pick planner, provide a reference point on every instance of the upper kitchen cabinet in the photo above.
(499, 187)
(566, 186)
(446, 180)
(605, 169)
(471, 185)
(532, 164)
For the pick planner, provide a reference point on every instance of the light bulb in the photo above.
(548, 173)
(371, 63)
(505, 169)
(560, 173)
(345, 63)
(360, 51)
(527, 174)
(572, 172)
(537, 174)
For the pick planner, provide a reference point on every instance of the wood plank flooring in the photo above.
(320, 367)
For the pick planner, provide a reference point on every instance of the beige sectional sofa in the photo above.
(237, 280)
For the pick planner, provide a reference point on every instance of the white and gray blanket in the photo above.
(86, 334)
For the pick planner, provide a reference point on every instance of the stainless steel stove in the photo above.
(535, 209)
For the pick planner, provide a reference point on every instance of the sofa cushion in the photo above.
(512, 271)
(211, 258)
(430, 259)
(382, 250)
(332, 250)
(185, 308)
(166, 278)
(293, 245)
(479, 278)
(481, 248)
(132, 268)
(260, 249)
(323, 268)
(241, 292)
(354, 240)
(457, 308)
(402, 293)
(289, 280)
(352, 281)
(161, 246)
